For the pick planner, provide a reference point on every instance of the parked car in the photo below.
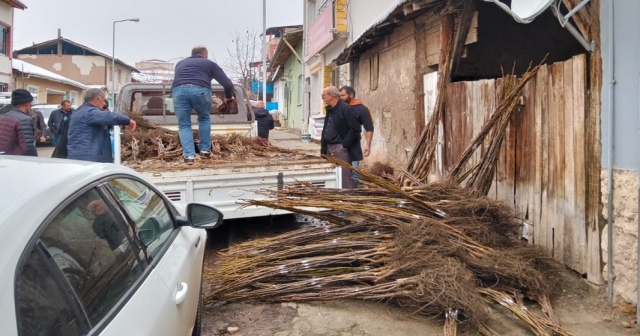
(90, 248)
(46, 110)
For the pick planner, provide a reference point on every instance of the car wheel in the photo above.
(197, 326)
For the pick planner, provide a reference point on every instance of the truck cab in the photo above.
(155, 103)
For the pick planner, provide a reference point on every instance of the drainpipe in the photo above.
(305, 109)
(638, 242)
(610, 221)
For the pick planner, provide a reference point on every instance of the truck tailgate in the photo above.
(225, 186)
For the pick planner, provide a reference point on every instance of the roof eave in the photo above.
(16, 4)
(83, 87)
(281, 46)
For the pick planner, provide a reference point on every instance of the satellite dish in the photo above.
(527, 10)
(524, 11)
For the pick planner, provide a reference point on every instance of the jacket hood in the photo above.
(261, 113)
(355, 102)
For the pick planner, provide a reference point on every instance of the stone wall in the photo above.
(393, 102)
(625, 232)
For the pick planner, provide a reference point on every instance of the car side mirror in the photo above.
(203, 216)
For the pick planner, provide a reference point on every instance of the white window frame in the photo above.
(34, 89)
(73, 97)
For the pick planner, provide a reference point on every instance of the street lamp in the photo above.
(113, 60)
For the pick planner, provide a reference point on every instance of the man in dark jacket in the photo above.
(348, 95)
(58, 118)
(340, 133)
(88, 137)
(40, 128)
(191, 90)
(16, 126)
(265, 122)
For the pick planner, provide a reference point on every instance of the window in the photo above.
(119, 76)
(374, 64)
(93, 251)
(33, 89)
(42, 306)
(338, 77)
(4, 87)
(5, 32)
(152, 218)
(73, 97)
(300, 90)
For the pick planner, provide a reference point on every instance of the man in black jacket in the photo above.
(340, 133)
(40, 128)
(265, 122)
(58, 119)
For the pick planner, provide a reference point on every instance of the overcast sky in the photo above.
(167, 29)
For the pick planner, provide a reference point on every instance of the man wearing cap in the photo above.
(16, 126)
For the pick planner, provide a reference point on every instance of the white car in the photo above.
(91, 248)
(46, 110)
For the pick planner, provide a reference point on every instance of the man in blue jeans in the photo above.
(191, 90)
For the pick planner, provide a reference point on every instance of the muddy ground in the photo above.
(581, 308)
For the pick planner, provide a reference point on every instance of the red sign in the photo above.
(320, 34)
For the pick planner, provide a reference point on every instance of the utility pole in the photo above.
(264, 51)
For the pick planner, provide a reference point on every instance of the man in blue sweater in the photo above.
(191, 90)
(88, 138)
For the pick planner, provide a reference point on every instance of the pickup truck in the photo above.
(225, 184)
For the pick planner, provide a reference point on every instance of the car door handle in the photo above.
(197, 242)
(183, 288)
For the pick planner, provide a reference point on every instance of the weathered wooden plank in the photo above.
(455, 124)
(545, 225)
(476, 109)
(510, 142)
(581, 18)
(506, 163)
(472, 35)
(525, 157)
(556, 160)
(595, 223)
(580, 180)
(461, 34)
(501, 166)
(568, 205)
(467, 120)
(451, 106)
(488, 103)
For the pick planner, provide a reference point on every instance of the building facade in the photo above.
(620, 137)
(286, 75)
(49, 87)
(77, 62)
(550, 166)
(330, 27)
(7, 8)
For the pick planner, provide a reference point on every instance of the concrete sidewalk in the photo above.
(282, 138)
